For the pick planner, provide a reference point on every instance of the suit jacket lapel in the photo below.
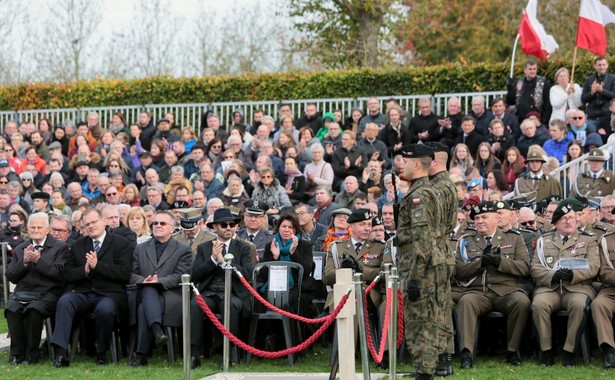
(150, 252)
(105, 245)
(167, 253)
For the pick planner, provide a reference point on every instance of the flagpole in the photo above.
(574, 63)
(512, 59)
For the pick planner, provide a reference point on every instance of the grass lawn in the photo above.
(3, 326)
(316, 360)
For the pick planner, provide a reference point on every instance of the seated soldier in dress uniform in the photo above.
(590, 218)
(559, 287)
(535, 184)
(597, 181)
(603, 306)
(254, 230)
(192, 231)
(491, 266)
(468, 225)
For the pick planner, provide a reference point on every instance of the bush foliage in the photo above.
(445, 78)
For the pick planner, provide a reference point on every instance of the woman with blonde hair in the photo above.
(131, 195)
(461, 158)
(564, 95)
(137, 222)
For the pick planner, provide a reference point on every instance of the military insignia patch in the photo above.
(416, 201)
(549, 260)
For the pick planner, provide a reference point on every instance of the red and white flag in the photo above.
(534, 39)
(591, 34)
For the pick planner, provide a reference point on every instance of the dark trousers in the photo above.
(216, 304)
(149, 311)
(25, 327)
(73, 304)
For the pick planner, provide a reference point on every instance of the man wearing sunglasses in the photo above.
(157, 267)
(208, 272)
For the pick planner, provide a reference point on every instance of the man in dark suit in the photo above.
(157, 266)
(36, 267)
(254, 230)
(470, 136)
(208, 272)
(96, 275)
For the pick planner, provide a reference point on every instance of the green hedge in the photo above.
(447, 78)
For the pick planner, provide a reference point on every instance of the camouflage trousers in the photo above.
(447, 333)
(425, 320)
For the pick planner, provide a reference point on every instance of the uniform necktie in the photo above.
(535, 179)
(190, 241)
(595, 176)
(358, 247)
(96, 245)
(488, 240)
(251, 238)
(565, 239)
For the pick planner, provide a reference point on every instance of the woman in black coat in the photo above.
(293, 181)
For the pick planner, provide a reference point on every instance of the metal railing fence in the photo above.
(190, 114)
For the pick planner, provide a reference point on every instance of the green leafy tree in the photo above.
(345, 33)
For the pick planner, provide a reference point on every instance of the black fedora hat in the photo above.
(222, 215)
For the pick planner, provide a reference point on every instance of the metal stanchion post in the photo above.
(5, 282)
(186, 323)
(228, 277)
(394, 285)
(358, 289)
(387, 273)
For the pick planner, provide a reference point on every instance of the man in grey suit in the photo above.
(255, 231)
(157, 267)
(208, 272)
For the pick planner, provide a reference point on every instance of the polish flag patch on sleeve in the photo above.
(416, 201)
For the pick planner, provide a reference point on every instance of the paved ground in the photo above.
(4, 342)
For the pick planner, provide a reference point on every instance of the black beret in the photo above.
(502, 205)
(415, 151)
(360, 215)
(437, 146)
(377, 221)
(565, 206)
(483, 208)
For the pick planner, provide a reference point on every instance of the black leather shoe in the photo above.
(60, 362)
(101, 359)
(569, 359)
(423, 376)
(445, 365)
(466, 360)
(15, 360)
(161, 339)
(138, 361)
(30, 361)
(195, 362)
(609, 359)
(547, 358)
(513, 358)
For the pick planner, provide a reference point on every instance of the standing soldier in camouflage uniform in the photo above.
(492, 267)
(603, 306)
(444, 187)
(559, 287)
(421, 264)
(535, 184)
(597, 181)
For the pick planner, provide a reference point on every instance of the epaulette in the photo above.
(548, 233)
(471, 227)
(472, 235)
(587, 233)
(267, 232)
(453, 238)
(600, 227)
(376, 240)
(513, 231)
(584, 175)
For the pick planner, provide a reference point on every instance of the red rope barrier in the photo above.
(285, 313)
(400, 318)
(372, 285)
(385, 328)
(268, 354)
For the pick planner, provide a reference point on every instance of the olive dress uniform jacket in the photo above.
(44, 277)
(547, 186)
(369, 256)
(176, 259)
(585, 185)
(507, 277)
(201, 237)
(550, 249)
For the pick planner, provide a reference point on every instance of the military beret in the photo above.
(40, 195)
(566, 206)
(256, 207)
(584, 201)
(535, 156)
(360, 215)
(483, 208)
(473, 200)
(377, 221)
(596, 155)
(503, 205)
(593, 204)
(189, 218)
(474, 182)
(415, 151)
(179, 204)
(437, 146)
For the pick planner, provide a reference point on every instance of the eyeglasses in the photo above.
(8, 150)
(225, 225)
(578, 117)
(301, 213)
(59, 230)
(529, 222)
(111, 194)
(25, 179)
(160, 224)
(4, 183)
(87, 225)
(568, 219)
